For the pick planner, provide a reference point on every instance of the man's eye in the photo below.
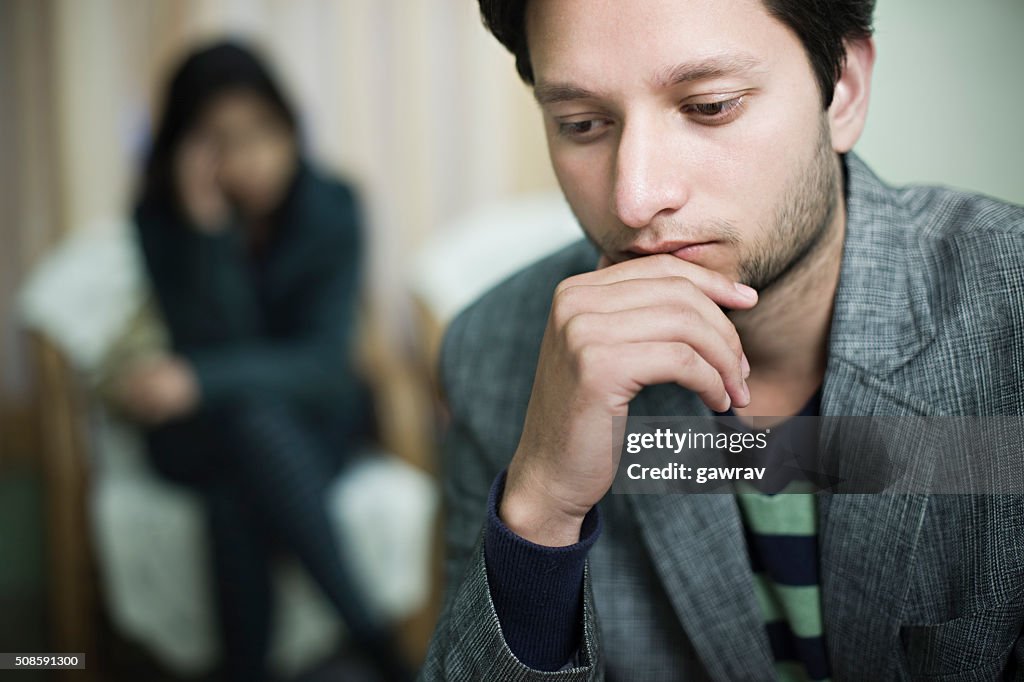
(582, 131)
(714, 113)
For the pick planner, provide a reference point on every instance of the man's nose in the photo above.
(648, 177)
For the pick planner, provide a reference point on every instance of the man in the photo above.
(740, 258)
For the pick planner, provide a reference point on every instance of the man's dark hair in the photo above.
(821, 25)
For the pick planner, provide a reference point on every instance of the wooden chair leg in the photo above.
(71, 581)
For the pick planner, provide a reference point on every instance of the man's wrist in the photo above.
(537, 590)
(530, 516)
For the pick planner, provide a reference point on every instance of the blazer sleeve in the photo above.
(468, 643)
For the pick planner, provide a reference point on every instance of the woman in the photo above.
(253, 257)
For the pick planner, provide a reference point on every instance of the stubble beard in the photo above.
(802, 220)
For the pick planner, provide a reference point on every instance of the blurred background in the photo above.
(418, 109)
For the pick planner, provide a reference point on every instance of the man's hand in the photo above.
(646, 321)
(156, 389)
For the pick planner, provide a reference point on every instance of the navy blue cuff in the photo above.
(537, 591)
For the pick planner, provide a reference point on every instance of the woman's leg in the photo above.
(190, 452)
(241, 555)
(283, 472)
(286, 472)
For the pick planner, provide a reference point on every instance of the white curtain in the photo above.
(411, 99)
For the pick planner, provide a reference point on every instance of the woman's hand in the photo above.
(157, 388)
(196, 167)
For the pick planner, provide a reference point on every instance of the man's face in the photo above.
(685, 122)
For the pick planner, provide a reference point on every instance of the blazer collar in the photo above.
(882, 316)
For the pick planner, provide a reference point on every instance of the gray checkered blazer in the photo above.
(928, 320)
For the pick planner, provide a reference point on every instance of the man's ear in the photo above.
(849, 108)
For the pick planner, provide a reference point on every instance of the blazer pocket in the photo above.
(973, 647)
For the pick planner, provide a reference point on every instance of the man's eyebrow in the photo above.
(687, 72)
(705, 69)
(553, 93)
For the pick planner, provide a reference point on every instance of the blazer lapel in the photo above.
(881, 320)
(868, 541)
(697, 546)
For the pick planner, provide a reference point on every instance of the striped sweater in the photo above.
(780, 523)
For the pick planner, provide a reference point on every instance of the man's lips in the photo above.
(683, 250)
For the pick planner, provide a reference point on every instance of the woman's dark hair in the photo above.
(821, 25)
(201, 78)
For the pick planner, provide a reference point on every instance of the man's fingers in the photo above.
(719, 345)
(670, 292)
(654, 362)
(715, 286)
(657, 319)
